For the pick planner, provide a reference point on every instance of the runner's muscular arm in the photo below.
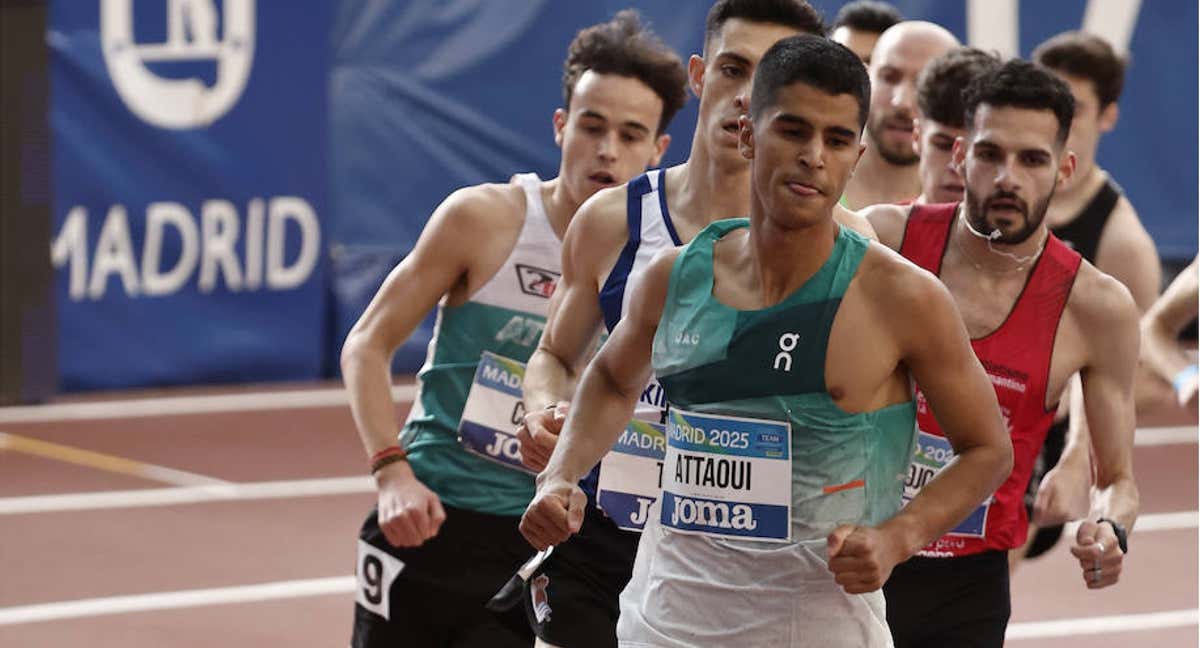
(1109, 320)
(936, 349)
(409, 513)
(932, 342)
(603, 405)
(593, 240)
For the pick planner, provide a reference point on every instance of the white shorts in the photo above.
(692, 591)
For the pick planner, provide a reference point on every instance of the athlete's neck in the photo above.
(1070, 200)
(706, 190)
(560, 205)
(783, 259)
(991, 257)
(877, 181)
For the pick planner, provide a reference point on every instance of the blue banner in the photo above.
(190, 175)
(426, 99)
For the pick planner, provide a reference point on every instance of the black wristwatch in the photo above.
(1120, 532)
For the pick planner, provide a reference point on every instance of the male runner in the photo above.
(1091, 215)
(444, 536)
(940, 120)
(785, 351)
(887, 172)
(573, 600)
(1037, 314)
(859, 24)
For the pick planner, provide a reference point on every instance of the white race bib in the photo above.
(493, 411)
(727, 476)
(933, 453)
(376, 572)
(631, 474)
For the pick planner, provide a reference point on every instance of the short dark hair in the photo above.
(1088, 57)
(867, 15)
(1021, 84)
(625, 47)
(815, 61)
(790, 13)
(940, 84)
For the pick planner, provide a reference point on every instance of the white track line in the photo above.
(1102, 624)
(177, 405)
(185, 495)
(1167, 521)
(1164, 436)
(173, 600)
(346, 584)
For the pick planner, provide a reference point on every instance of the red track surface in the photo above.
(56, 556)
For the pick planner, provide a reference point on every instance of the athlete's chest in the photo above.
(985, 303)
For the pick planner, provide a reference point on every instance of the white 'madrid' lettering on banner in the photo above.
(217, 248)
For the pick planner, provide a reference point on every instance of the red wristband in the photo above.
(388, 455)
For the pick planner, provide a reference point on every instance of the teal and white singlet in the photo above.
(505, 317)
(721, 569)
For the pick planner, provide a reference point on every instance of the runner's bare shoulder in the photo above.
(888, 222)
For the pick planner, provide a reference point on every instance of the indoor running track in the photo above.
(229, 519)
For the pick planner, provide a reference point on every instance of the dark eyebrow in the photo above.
(638, 126)
(796, 120)
(843, 132)
(734, 58)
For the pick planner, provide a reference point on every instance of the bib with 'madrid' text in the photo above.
(494, 410)
(631, 474)
(727, 476)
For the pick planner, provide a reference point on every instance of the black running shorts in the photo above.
(572, 600)
(434, 594)
(938, 602)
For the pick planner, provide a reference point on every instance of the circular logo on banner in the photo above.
(192, 35)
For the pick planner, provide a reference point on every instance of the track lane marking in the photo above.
(174, 600)
(227, 492)
(181, 405)
(102, 461)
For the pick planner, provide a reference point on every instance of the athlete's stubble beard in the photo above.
(903, 157)
(977, 215)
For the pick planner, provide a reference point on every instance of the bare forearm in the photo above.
(367, 375)
(548, 380)
(1118, 500)
(951, 496)
(1078, 442)
(599, 413)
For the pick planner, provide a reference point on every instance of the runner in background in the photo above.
(1094, 217)
(444, 535)
(1037, 314)
(858, 25)
(887, 172)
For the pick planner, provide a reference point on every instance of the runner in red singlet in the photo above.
(1037, 313)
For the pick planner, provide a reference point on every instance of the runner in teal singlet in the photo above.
(785, 345)
(444, 538)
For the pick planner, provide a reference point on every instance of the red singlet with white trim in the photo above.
(1016, 357)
